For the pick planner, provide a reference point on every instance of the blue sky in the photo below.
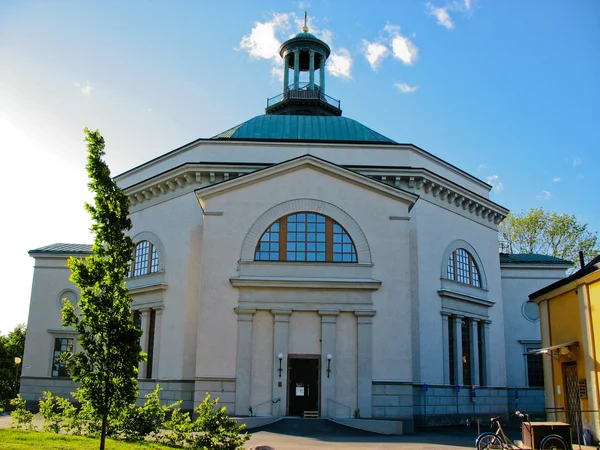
(507, 91)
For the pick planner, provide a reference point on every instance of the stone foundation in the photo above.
(222, 388)
(394, 401)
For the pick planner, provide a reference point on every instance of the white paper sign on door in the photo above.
(299, 391)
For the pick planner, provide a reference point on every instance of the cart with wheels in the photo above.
(535, 436)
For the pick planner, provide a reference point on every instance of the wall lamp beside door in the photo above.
(329, 364)
(280, 356)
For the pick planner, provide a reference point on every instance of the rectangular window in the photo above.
(150, 344)
(466, 352)
(482, 355)
(535, 370)
(59, 367)
(451, 349)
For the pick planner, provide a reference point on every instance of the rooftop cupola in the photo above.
(304, 54)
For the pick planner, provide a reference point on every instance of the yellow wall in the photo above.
(594, 297)
(565, 326)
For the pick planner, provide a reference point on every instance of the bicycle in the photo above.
(500, 441)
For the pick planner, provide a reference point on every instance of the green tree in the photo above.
(11, 347)
(548, 233)
(106, 367)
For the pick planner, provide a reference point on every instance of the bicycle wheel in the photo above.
(553, 442)
(489, 441)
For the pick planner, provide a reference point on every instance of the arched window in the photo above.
(145, 259)
(306, 237)
(462, 268)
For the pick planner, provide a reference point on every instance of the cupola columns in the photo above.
(304, 53)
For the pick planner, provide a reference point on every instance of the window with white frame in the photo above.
(534, 367)
(145, 259)
(462, 267)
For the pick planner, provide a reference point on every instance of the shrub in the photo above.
(177, 430)
(51, 417)
(21, 418)
(215, 430)
(135, 423)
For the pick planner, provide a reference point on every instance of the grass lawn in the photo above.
(20, 440)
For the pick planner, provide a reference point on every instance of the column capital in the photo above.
(486, 322)
(158, 309)
(364, 316)
(145, 310)
(458, 316)
(329, 315)
(244, 314)
(445, 313)
(281, 315)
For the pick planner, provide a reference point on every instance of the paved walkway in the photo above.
(296, 434)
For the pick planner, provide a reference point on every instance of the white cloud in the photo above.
(405, 88)
(303, 5)
(262, 42)
(404, 50)
(340, 63)
(576, 161)
(481, 167)
(86, 88)
(544, 195)
(468, 4)
(375, 52)
(557, 179)
(494, 181)
(579, 176)
(443, 18)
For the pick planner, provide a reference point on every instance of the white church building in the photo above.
(301, 262)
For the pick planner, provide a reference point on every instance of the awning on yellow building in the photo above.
(554, 350)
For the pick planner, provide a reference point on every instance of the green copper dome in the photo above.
(304, 128)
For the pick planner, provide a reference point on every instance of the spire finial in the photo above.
(305, 28)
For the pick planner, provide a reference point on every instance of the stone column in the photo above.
(296, 69)
(281, 325)
(486, 352)
(311, 70)
(364, 320)
(243, 362)
(157, 332)
(458, 368)
(145, 314)
(322, 75)
(286, 74)
(473, 324)
(446, 347)
(328, 346)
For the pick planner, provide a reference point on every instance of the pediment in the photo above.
(301, 163)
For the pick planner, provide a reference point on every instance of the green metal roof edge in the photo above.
(532, 258)
(63, 248)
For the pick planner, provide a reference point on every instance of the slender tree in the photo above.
(106, 367)
(548, 233)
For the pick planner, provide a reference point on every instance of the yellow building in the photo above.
(570, 326)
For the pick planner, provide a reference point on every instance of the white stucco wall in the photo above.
(50, 278)
(518, 281)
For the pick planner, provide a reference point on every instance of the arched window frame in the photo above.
(463, 268)
(326, 231)
(450, 249)
(153, 265)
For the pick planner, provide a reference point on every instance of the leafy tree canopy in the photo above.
(11, 347)
(106, 367)
(548, 233)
